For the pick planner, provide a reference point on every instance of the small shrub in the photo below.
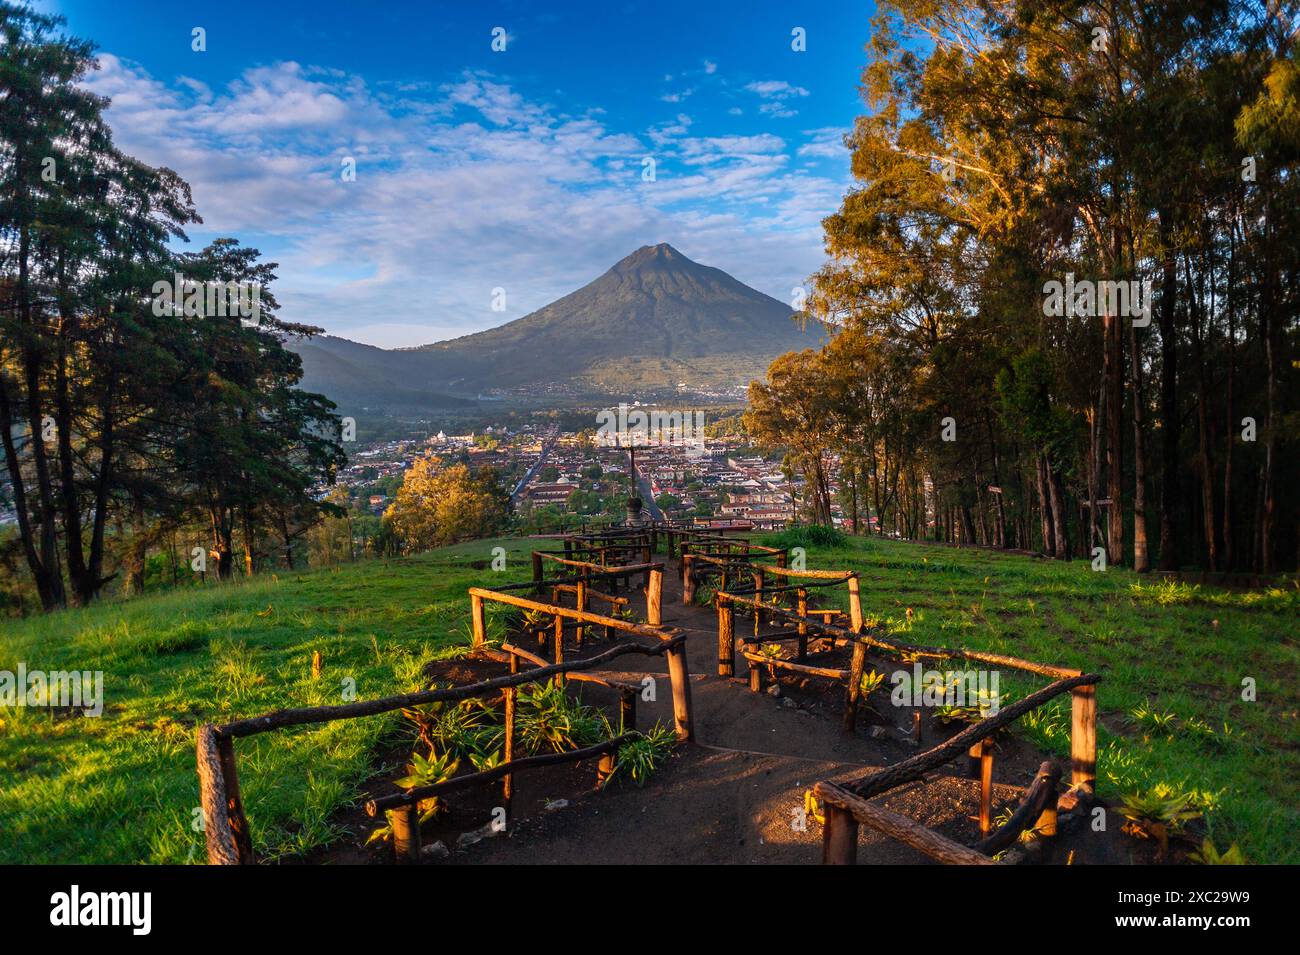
(638, 759)
(1209, 855)
(813, 535)
(1158, 813)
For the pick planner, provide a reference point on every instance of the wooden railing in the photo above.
(724, 560)
(581, 576)
(226, 825)
(846, 803)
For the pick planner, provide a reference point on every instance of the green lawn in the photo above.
(1161, 649)
(122, 788)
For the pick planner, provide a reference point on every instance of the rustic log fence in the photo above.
(705, 558)
(580, 577)
(846, 804)
(675, 534)
(225, 822)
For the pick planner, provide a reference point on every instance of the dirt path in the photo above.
(734, 795)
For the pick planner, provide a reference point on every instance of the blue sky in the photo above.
(477, 169)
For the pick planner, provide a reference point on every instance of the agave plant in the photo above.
(870, 682)
(535, 620)
(428, 772)
(1157, 813)
(485, 761)
(548, 719)
(948, 714)
(1153, 720)
(1209, 855)
(639, 758)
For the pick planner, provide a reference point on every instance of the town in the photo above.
(561, 479)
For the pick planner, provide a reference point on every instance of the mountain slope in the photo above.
(355, 376)
(655, 319)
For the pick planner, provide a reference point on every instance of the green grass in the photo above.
(1161, 647)
(122, 788)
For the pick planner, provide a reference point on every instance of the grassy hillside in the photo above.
(1163, 649)
(122, 788)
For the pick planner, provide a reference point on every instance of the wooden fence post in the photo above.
(405, 821)
(537, 573)
(1083, 737)
(688, 580)
(582, 605)
(755, 677)
(654, 595)
(478, 620)
(508, 752)
(839, 837)
(986, 788)
(981, 755)
(855, 605)
(680, 675)
(559, 647)
(234, 802)
(803, 624)
(726, 639)
(854, 695)
(758, 599)
(212, 794)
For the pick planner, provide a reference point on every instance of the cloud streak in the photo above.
(463, 187)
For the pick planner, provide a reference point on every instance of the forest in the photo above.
(122, 421)
(1017, 165)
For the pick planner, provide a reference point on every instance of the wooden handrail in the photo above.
(380, 803)
(883, 780)
(279, 719)
(840, 841)
(586, 616)
(1041, 793)
(893, 646)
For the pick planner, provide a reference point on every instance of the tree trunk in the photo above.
(43, 576)
(1056, 495)
(1113, 370)
(1045, 508)
(1140, 561)
(1208, 523)
(1170, 422)
(137, 555)
(221, 542)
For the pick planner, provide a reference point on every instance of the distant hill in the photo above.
(652, 321)
(356, 376)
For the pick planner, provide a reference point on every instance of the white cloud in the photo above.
(460, 188)
(777, 95)
(825, 143)
(775, 89)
